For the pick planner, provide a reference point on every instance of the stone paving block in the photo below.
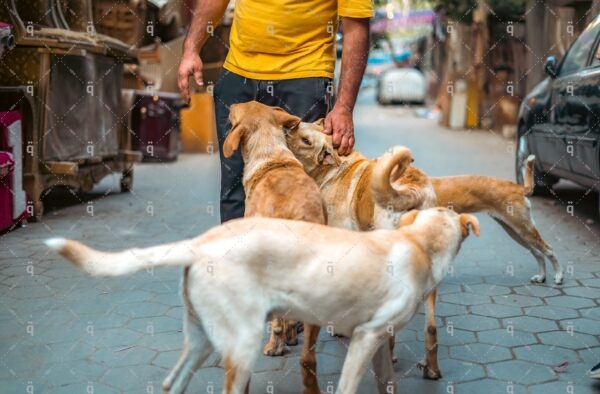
(115, 337)
(448, 288)
(530, 323)
(545, 354)
(474, 323)
(570, 302)
(104, 321)
(141, 309)
(155, 325)
(161, 341)
(586, 326)
(136, 378)
(489, 386)
(551, 312)
(450, 337)
(465, 299)
(487, 289)
(444, 309)
(337, 348)
(537, 290)
(480, 353)
(74, 350)
(207, 380)
(590, 356)
(125, 356)
(496, 310)
(520, 372)
(517, 300)
(21, 386)
(592, 313)
(595, 282)
(564, 339)
(504, 337)
(284, 382)
(83, 388)
(585, 292)
(564, 387)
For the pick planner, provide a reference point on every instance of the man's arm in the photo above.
(354, 60)
(207, 12)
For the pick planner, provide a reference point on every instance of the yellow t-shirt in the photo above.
(286, 39)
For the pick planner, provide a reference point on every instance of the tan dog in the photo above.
(378, 191)
(230, 288)
(363, 194)
(275, 184)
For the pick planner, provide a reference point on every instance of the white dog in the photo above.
(247, 269)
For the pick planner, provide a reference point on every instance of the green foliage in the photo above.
(457, 10)
(462, 10)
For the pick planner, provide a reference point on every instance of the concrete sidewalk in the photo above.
(65, 332)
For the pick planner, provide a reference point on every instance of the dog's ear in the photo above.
(286, 119)
(320, 122)
(408, 218)
(469, 222)
(232, 142)
(328, 155)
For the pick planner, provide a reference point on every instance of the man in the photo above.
(282, 54)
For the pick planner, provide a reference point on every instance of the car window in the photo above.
(577, 56)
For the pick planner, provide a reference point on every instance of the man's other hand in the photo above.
(339, 123)
(191, 64)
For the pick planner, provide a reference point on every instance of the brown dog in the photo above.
(363, 194)
(276, 186)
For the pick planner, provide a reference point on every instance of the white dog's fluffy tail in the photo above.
(125, 262)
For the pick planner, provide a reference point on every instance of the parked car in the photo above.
(402, 85)
(559, 120)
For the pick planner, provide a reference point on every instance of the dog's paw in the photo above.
(538, 278)
(559, 277)
(430, 373)
(291, 341)
(273, 349)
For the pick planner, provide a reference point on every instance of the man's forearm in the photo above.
(207, 12)
(354, 60)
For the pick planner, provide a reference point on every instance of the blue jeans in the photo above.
(307, 98)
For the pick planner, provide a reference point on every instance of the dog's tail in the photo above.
(400, 193)
(529, 176)
(125, 262)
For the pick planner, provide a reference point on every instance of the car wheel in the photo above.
(543, 182)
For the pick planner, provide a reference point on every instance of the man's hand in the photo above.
(191, 64)
(339, 123)
(354, 59)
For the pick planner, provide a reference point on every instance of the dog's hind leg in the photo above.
(239, 356)
(196, 349)
(521, 240)
(308, 361)
(384, 370)
(363, 345)
(431, 369)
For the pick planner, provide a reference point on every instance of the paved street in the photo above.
(61, 331)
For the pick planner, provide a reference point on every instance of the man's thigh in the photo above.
(231, 89)
(307, 98)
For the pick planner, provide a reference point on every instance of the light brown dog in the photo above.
(363, 194)
(231, 290)
(276, 186)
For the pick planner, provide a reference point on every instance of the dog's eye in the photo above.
(306, 141)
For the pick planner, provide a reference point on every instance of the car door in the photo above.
(583, 115)
(557, 134)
